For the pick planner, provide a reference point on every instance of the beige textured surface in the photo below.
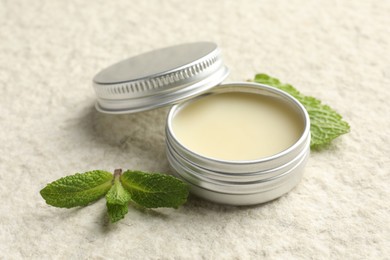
(338, 51)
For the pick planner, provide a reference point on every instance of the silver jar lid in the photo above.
(159, 78)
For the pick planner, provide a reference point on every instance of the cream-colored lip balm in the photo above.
(239, 143)
(237, 126)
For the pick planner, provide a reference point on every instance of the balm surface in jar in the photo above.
(237, 126)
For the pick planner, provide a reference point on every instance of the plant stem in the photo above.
(117, 173)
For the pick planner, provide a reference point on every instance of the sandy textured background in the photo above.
(338, 51)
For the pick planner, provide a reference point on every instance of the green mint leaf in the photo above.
(78, 189)
(117, 212)
(325, 123)
(117, 194)
(153, 190)
(117, 201)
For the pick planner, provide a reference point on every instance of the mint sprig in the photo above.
(325, 123)
(150, 190)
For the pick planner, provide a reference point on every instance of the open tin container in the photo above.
(180, 75)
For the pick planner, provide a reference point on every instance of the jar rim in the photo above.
(241, 87)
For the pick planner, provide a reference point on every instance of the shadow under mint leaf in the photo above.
(140, 135)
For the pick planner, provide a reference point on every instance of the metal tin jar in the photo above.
(183, 73)
(240, 182)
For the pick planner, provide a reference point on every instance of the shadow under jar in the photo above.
(239, 143)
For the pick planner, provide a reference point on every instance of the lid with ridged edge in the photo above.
(159, 78)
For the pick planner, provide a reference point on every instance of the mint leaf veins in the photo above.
(117, 199)
(150, 190)
(78, 189)
(154, 190)
(325, 123)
